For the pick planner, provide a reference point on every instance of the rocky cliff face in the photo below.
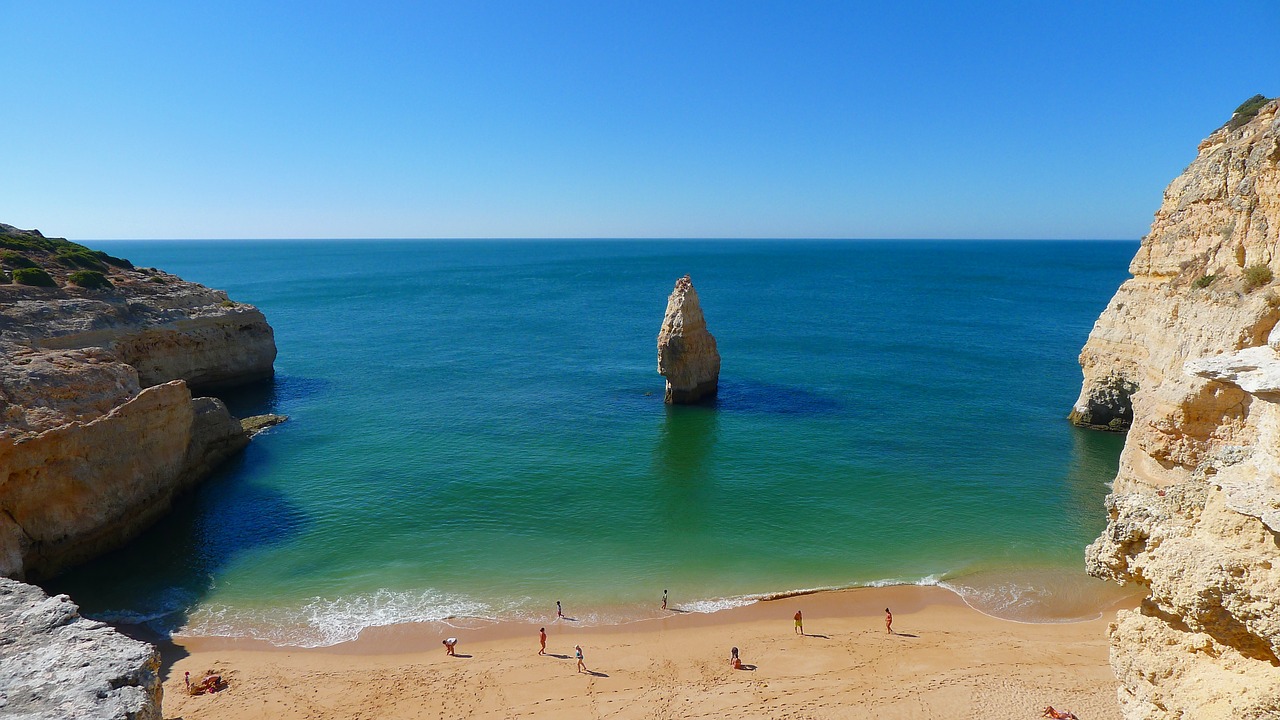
(58, 665)
(98, 427)
(686, 350)
(1185, 356)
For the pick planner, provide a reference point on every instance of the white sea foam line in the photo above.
(964, 595)
(322, 622)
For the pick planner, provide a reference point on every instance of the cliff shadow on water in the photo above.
(272, 395)
(154, 581)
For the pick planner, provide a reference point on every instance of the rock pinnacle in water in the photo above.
(687, 354)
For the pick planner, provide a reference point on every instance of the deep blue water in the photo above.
(477, 428)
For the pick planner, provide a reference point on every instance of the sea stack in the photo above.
(1188, 349)
(687, 354)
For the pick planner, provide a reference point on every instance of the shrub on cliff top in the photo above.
(89, 279)
(33, 276)
(11, 259)
(81, 258)
(1255, 276)
(33, 241)
(1247, 110)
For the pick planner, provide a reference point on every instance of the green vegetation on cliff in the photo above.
(65, 252)
(14, 260)
(89, 279)
(1247, 110)
(36, 260)
(33, 276)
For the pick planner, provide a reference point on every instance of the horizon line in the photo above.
(618, 238)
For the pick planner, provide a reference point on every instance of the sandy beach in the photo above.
(945, 660)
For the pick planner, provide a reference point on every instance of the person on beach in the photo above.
(888, 621)
(799, 623)
(559, 611)
(1049, 712)
(664, 599)
(582, 666)
(449, 645)
(211, 683)
(542, 638)
(733, 659)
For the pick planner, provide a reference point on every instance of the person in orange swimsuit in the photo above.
(888, 621)
(542, 638)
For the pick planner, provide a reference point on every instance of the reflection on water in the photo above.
(1095, 458)
(683, 466)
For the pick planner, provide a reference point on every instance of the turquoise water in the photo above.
(477, 428)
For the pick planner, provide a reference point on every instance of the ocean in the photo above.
(477, 430)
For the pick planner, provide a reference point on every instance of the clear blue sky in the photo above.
(614, 119)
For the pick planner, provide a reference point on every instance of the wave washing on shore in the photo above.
(477, 430)
(1034, 596)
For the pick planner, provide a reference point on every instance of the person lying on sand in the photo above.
(211, 683)
(1049, 712)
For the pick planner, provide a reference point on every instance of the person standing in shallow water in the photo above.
(888, 621)
(559, 611)
(664, 599)
(799, 623)
(542, 638)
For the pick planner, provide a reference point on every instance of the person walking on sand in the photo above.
(799, 623)
(582, 666)
(888, 621)
(559, 611)
(542, 638)
(449, 645)
(664, 599)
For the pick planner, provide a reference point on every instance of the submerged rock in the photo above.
(255, 424)
(687, 354)
(55, 664)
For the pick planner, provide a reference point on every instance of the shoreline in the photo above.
(1035, 596)
(942, 649)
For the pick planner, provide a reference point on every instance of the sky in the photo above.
(472, 119)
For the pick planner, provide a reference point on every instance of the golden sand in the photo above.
(944, 661)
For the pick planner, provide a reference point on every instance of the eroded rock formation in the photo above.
(58, 665)
(686, 350)
(1187, 349)
(98, 427)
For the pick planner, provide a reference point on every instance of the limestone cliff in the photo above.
(1185, 356)
(57, 665)
(686, 350)
(98, 427)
